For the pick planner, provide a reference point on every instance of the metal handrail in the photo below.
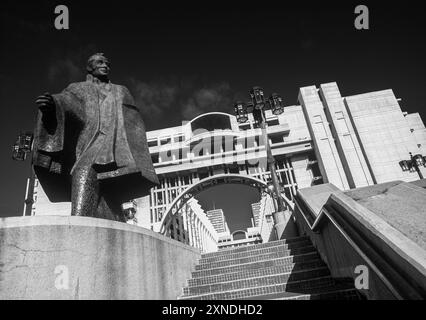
(315, 228)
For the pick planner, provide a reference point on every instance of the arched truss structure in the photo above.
(202, 185)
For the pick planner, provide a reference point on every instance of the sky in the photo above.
(180, 60)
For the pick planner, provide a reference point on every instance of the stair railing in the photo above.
(315, 224)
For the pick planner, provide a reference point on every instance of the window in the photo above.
(152, 143)
(234, 169)
(276, 139)
(273, 122)
(203, 175)
(164, 141)
(245, 127)
(257, 140)
(178, 138)
(186, 179)
(154, 158)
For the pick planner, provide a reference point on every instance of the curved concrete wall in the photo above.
(57, 257)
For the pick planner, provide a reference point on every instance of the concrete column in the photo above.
(185, 223)
(325, 148)
(284, 225)
(174, 227)
(348, 146)
(143, 213)
(301, 171)
(293, 187)
(204, 238)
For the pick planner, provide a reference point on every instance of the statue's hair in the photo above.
(92, 58)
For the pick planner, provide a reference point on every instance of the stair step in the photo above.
(282, 261)
(252, 273)
(342, 289)
(316, 285)
(261, 257)
(255, 252)
(344, 294)
(255, 246)
(257, 281)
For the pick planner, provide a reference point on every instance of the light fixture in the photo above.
(129, 209)
(276, 103)
(419, 160)
(257, 97)
(240, 109)
(404, 165)
(22, 146)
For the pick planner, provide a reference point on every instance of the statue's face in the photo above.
(100, 67)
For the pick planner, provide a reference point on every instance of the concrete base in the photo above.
(284, 225)
(57, 257)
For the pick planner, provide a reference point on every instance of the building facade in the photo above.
(218, 220)
(255, 211)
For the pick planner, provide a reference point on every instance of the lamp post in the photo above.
(20, 151)
(414, 164)
(257, 107)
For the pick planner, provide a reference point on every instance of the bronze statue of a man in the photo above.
(90, 145)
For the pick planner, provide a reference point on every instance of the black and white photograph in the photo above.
(245, 154)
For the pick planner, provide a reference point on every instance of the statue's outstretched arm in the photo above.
(46, 105)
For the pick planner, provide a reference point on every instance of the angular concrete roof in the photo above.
(401, 204)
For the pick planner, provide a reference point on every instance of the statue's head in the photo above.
(98, 66)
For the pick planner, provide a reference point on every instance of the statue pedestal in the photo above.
(66, 257)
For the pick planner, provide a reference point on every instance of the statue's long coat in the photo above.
(61, 141)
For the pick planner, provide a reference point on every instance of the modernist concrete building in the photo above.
(218, 220)
(349, 141)
(255, 210)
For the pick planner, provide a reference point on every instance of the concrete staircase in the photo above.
(284, 269)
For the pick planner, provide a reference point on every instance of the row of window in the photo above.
(251, 125)
(179, 138)
(165, 140)
(199, 151)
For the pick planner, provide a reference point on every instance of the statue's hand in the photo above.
(45, 102)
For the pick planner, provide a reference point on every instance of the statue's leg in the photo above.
(109, 203)
(84, 191)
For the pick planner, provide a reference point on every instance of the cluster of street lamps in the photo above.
(414, 164)
(22, 147)
(257, 106)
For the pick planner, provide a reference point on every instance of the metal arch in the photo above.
(204, 184)
(210, 113)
